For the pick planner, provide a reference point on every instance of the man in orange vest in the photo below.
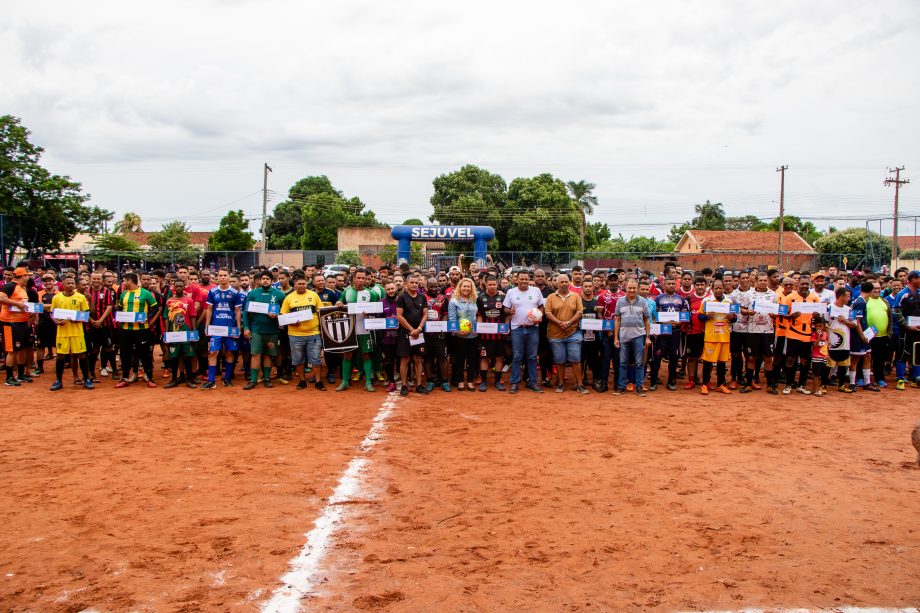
(798, 335)
(17, 334)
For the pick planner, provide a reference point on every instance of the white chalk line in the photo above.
(306, 568)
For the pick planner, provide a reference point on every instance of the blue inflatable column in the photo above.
(403, 250)
(480, 246)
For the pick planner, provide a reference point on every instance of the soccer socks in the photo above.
(22, 370)
(900, 369)
(867, 376)
(369, 371)
(212, 373)
(266, 373)
(852, 375)
(498, 375)
(254, 374)
(707, 373)
(720, 373)
(749, 377)
(228, 370)
(60, 365)
(790, 374)
(803, 374)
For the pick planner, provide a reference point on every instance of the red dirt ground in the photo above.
(184, 500)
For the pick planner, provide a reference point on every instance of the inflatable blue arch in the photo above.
(479, 235)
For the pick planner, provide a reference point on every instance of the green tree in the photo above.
(350, 257)
(284, 227)
(709, 216)
(114, 242)
(636, 245)
(471, 196)
(856, 244)
(544, 218)
(791, 223)
(233, 233)
(413, 221)
(595, 234)
(324, 214)
(416, 254)
(744, 223)
(909, 254)
(130, 222)
(677, 232)
(582, 192)
(41, 210)
(172, 238)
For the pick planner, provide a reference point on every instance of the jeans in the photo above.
(635, 348)
(525, 341)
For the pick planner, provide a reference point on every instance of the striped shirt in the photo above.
(135, 301)
(99, 301)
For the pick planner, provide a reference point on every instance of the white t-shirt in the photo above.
(522, 303)
(827, 296)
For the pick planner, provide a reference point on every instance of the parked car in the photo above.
(334, 269)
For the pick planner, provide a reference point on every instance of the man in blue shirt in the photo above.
(224, 309)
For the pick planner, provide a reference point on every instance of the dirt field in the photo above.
(185, 500)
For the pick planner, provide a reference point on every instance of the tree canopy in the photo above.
(233, 233)
(545, 217)
(114, 243)
(40, 210)
(130, 222)
(856, 244)
(471, 196)
(284, 227)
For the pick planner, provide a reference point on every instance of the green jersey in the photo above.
(135, 301)
(352, 296)
(260, 322)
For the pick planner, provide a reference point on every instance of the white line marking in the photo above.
(305, 571)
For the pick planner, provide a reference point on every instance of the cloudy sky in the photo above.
(170, 109)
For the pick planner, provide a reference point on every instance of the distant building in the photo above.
(743, 249)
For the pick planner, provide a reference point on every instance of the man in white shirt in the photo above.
(525, 330)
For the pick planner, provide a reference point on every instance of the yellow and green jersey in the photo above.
(136, 301)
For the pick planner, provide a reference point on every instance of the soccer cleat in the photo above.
(882, 384)
(356, 376)
(250, 385)
(208, 385)
(690, 385)
(283, 380)
(301, 385)
(672, 387)
(24, 378)
(901, 384)
(122, 383)
(704, 390)
(787, 390)
(403, 391)
(483, 386)
(268, 383)
(344, 385)
(560, 389)
(56, 385)
(724, 389)
(12, 382)
(581, 389)
(88, 384)
(391, 387)
(747, 389)
(421, 390)
(804, 391)
(172, 383)
(368, 386)
(228, 383)
(104, 371)
(319, 385)
(534, 388)
(772, 390)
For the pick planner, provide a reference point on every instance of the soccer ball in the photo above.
(535, 315)
(466, 325)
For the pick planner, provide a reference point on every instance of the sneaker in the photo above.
(844, 388)
(37, 372)
(12, 382)
(344, 385)
(132, 378)
(617, 391)
(421, 390)
(381, 377)
(733, 385)
(689, 385)
(653, 387)
(534, 388)
(672, 387)
(151, 383)
(446, 386)
(104, 371)
(403, 391)
(747, 389)
(514, 389)
(26, 378)
(821, 391)
(787, 390)
(319, 385)
(470, 387)
(483, 386)
(301, 385)
(330, 378)
(171, 384)
(882, 384)
(560, 388)
(852, 387)
(76, 382)
(630, 388)
(724, 389)
(208, 385)
(872, 388)
(804, 391)
(901, 385)
(56, 385)
(88, 384)
(581, 389)
(356, 376)
(772, 390)
(391, 387)
(368, 386)
(250, 385)
(500, 386)
(122, 383)
(546, 383)
(268, 383)
(640, 392)
(704, 390)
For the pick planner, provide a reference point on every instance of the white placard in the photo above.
(668, 317)
(355, 308)
(809, 307)
(766, 308)
(869, 333)
(286, 319)
(843, 312)
(913, 320)
(257, 307)
(126, 317)
(654, 329)
(417, 341)
(375, 323)
(435, 326)
(68, 314)
(591, 324)
(175, 337)
(31, 307)
(218, 331)
(717, 307)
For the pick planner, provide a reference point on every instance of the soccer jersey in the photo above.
(695, 303)
(742, 299)
(136, 301)
(608, 301)
(838, 335)
(858, 309)
(180, 312)
(74, 302)
(717, 328)
(760, 323)
(224, 303)
(799, 326)
(100, 300)
(491, 309)
(328, 297)
(353, 296)
(589, 311)
(261, 322)
(14, 292)
(301, 302)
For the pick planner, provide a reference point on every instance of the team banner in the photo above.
(337, 327)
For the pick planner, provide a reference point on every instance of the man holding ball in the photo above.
(524, 305)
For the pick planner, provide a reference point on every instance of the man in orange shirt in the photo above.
(17, 335)
(798, 335)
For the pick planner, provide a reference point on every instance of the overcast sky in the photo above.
(170, 109)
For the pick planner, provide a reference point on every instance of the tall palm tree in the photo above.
(131, 222)
(582, 193)
(709, 216)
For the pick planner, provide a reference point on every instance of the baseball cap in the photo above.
(20, 271)
(913, 275)
(454, 269)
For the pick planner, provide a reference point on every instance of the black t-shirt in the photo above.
(491, 307)
(412, 307)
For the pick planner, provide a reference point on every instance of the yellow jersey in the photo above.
(74, 302)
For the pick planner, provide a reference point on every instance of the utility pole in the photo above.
(266, 170)
(897, 182)
(782, 209)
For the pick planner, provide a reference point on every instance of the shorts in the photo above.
(71, 345)
(264, 344)
(181, 350)
(760, 344)
(216, 343)
(404, 349)
(566, 350)
(388, 352)
(694, 345)
(737, 342)
(716, 352)
(306, 349)
(437, 346)
(798, 349)
(16, 335)
(366, 343)
(100, 338)
(838, 358)
(492, 348)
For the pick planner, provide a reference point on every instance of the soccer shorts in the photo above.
(71, 345)
(836, 357)
(760, 344)
(264, 344)
(16, 335)
(366, 343)
(490, 348)
(404, 348)
(437, 346)
(694, 345)
(181, 350)
(216, 343)
(798, 349)
(716, 352)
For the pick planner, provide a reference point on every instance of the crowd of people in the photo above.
(610, 331)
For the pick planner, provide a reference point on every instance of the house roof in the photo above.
(908, 242)
(731, 240)
(195, 238)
